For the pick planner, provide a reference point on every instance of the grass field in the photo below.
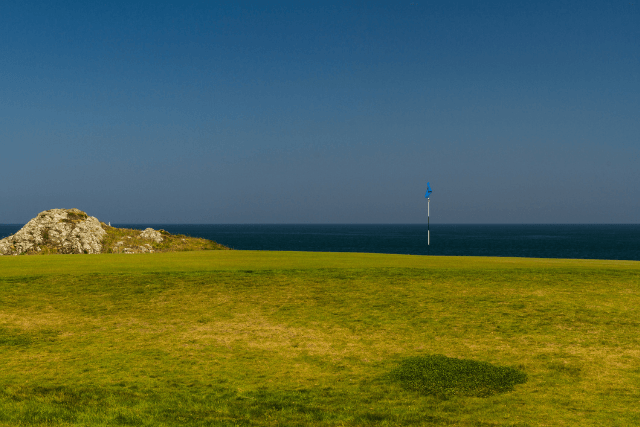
(292, 338)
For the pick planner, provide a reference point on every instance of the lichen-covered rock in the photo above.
(65, 231)
(151, 234)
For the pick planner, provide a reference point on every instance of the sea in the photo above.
(580, 241)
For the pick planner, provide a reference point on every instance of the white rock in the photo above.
(70, 231)
(151, 234)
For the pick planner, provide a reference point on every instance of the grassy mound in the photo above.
(444, 377)
(127, 240)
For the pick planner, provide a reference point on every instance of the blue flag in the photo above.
(428, 191)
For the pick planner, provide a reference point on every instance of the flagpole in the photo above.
(427, 194)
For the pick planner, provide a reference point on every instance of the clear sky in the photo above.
(309, 112)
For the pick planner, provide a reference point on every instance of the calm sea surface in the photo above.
(539, 241)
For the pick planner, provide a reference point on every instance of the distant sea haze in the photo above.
(620, 242)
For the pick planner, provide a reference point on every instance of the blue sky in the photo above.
(304, 112)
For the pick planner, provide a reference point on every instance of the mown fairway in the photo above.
(281, 338)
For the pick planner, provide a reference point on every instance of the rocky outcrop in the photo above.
(65, 231)
(71, 231)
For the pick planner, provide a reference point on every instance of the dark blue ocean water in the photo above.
(539, 241)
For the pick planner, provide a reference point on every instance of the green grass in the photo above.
(445, 377)
(291, 338)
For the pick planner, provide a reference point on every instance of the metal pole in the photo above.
(428, 215)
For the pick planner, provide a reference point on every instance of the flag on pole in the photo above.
(426, 196)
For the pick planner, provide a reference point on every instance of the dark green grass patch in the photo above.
(13, 338)
(17, 338)
(444, 377)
